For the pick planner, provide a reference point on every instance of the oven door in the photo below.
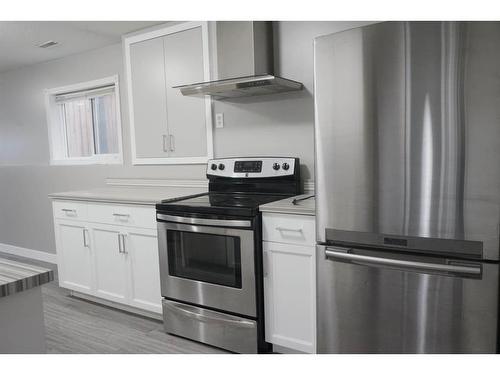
(208, 262)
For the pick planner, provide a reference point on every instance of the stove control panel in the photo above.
(247, 166)
(251, 167)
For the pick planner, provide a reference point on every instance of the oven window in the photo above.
(204, 257)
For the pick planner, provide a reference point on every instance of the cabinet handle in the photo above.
(165, 147)
(265, 263)
(85, 243)
(124, 247)
(122, 217)
(172, 142)
(119, 243)
(281, 229)
(68, 211)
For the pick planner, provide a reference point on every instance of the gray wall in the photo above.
(275, 125)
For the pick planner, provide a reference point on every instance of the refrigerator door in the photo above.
(382, 302)
(407, 137)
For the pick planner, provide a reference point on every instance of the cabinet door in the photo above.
(142, 248)
(110, 262)
(147, 79)
(74, 256)
(186, 115)
(290, 296)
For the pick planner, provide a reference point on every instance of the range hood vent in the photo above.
(245, 64)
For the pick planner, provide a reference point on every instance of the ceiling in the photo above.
(19, 39)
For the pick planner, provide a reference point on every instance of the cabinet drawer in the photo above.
(132, 216)
(70, 210)
(284, 228)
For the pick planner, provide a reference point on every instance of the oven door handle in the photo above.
(212, 318)
(200, 221)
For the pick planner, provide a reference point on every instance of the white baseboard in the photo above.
(116, 305)
(28, 253)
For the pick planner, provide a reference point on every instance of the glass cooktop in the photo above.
(220, 203)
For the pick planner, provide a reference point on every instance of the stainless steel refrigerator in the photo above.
(407, 129)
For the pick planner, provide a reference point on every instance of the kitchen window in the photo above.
(84, 123)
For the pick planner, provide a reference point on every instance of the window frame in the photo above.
(55, 121)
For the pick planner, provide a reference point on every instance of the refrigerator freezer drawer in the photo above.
(382, 302)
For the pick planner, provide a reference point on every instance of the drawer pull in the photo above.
(122, 216)
(69, 211)
(281, 229)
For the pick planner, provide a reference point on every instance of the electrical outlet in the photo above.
(219, 120)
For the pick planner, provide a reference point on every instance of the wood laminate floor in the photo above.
(73, 325)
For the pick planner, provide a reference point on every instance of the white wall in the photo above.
(273, 125)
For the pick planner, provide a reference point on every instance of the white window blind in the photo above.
(90, 121)
(88, 124)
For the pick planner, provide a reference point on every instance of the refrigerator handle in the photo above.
(474, 270)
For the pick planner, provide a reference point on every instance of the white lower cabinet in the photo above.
(117, 263)
(142, 248)
(75, 263)
(290, 288)
(110, 263)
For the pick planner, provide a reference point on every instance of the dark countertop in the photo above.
(16, 277)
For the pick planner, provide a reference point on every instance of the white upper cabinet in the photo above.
(186, 115)
(149, 98)
(167, 127)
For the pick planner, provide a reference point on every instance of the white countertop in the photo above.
(286, 206)
(130, 195)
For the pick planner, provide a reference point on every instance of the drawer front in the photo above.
(117, 214)
(210, 327)
(70, 210)
(284, 228)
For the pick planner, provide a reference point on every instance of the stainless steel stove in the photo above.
(211, 252)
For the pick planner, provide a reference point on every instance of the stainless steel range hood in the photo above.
(245, 64)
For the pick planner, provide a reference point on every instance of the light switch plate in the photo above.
(219, 120)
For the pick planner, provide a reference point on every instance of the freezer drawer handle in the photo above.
(470, 270)
(176, 308)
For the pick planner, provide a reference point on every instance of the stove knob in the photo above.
(214, 167)
(276, 166)
(221, 166)
(285, 166)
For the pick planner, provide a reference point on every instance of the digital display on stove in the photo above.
(248, 166)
